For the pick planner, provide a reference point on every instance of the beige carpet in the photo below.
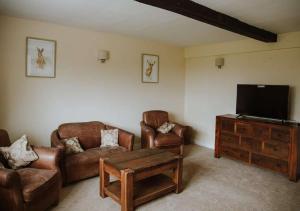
(210, 184)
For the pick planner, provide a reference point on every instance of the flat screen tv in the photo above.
(267, 101)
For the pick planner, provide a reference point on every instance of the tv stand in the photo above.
(272, 145)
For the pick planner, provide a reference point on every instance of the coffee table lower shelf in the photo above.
(143, 190)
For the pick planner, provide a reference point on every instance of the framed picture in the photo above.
(40, 57)
(150, 68)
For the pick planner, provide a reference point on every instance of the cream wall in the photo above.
(210, 91)
(84, 89)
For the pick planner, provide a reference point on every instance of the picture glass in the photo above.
(150, 68)
(40, 57)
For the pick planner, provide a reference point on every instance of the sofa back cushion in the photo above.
(88, 133)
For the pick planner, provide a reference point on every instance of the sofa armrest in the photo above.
(179, 130)
(55, 141)
(4, 138)
(9, 178)
(147, 135)
(49, 158)
(126, 139)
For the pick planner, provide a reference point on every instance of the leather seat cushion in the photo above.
(36, 182)
(88, 133)
(86, 164)
(169, 139)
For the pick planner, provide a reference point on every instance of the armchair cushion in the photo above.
(166, 127)
(19, 153)
(169, 139)
(36, 182)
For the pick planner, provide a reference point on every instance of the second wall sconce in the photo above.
(219, 62)
(102, 55)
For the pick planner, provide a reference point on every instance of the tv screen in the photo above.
(268, 101)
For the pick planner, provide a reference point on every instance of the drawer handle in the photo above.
(275, 148)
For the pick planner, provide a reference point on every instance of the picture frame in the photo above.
(150, 68)
(40, 57)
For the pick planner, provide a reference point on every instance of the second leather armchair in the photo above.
(172, 141)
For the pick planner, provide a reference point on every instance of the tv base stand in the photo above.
(271, 145)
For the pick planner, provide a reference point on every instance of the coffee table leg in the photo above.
(127, 190)
(177, 175)
(104, 178)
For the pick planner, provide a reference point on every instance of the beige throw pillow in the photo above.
(109, 138)
(19, 154)
(166, 127)
(72, 146)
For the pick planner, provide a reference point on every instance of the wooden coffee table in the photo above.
(140, 176)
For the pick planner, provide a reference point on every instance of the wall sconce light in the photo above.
(219, 62)
(103, 55)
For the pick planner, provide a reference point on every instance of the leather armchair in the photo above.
(85, 164)
(35, 187)
(151, 138)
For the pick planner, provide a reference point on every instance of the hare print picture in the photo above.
(150, 68)
(40, 57)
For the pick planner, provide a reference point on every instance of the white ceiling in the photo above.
(132, 18)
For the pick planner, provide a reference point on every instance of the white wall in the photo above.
(84, 89)
(210, 92)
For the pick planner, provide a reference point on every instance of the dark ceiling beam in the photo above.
(204, 14)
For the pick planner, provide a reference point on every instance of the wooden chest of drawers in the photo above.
(270, 145)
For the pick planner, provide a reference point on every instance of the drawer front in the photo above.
(235, 153)
(280, 134)
(229, 139)
(259, 132)
(243, 129)
(270, 163)
(227, 125)
(251, 144)
(277, 149)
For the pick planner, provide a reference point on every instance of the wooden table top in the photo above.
(139, 160)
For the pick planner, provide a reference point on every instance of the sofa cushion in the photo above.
(36, 182)
(88, 133)
(109, 138)
(169, 139)
(86, 164)
(72, 145)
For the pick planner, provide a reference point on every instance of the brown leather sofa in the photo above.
(35, 187)
(86, 164)
(172, 141)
